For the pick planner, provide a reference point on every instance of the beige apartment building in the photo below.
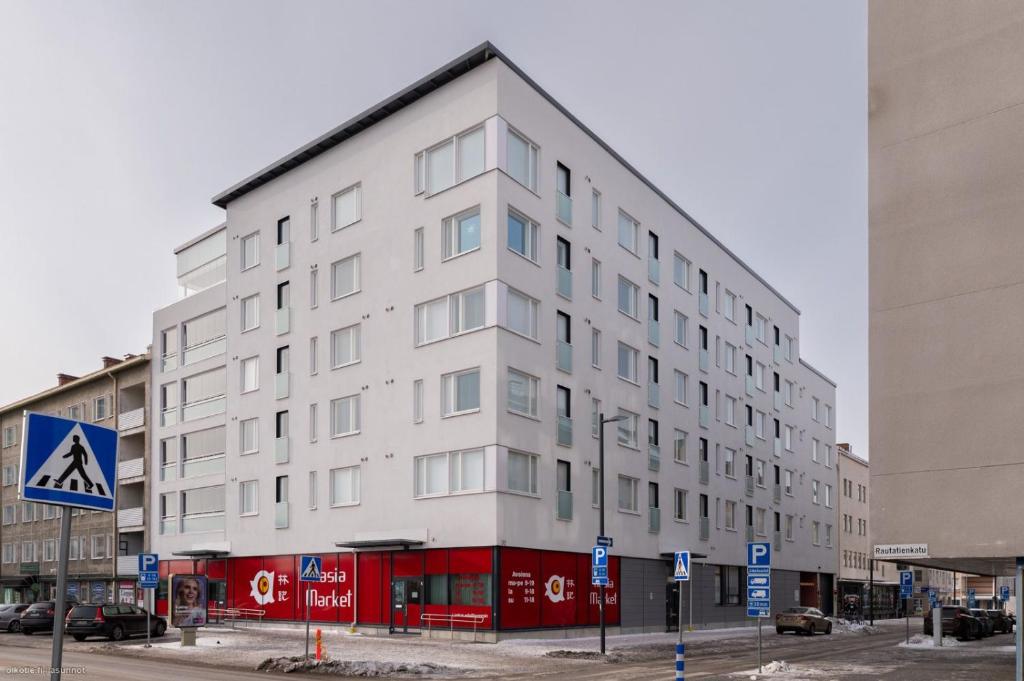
(946, 147)
(102, 556)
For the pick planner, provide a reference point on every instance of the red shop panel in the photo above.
(181, 567)
(519, 587)
(408, 563)
(588, 611)
(281, 603)
(436, 562)
(248, 586)
(216, 569)
(558, 589)
(370, 581)
(324, 599)
(470, 560)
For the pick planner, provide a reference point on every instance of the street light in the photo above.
(600, 502)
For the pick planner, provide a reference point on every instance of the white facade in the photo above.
(471, 498)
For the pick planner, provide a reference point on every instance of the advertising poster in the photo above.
(188, 601)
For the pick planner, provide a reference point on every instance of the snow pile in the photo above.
(349, 669)
(776, 667)
(853, 626)
(922, 641)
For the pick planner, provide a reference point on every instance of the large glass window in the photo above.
(522, 472)
(628, 494)
(250, 250)
(522, 160)
(628, 363)
(345, 486)
(202, 452)
(454, 314)
(460, 392)
(248, 497)
(347, 207)
(345, 276)
(522, 314)
(627, 430)
(431, 475)
(522, 235)
(629, 232)
(522, 393)
(454, 160)
(202, 509)
(461, 233)
(629, 294)
(345, 415)
(345, 346)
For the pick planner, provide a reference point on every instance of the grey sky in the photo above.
(119, 121)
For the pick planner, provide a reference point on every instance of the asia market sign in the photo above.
(268, 587)
(897, 551)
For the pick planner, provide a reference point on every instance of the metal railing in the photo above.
(749, 439)
(233, 615)
(777, 493)
(654, 520)
(705, 528)
(653, 395)
(207, 407)
(564, 505)
(281, 515)
(654, 270)
(704, 473)
(564, 431)
(703, 416)
(134, 418)
(431, 618)
(653, 458)
(282, 382)
(749, 485)
(131, 468)
(563, 208)
(703, 360)
(130, 517)
(283, 255)
(702, 303)
(563, 280)
(283, 321)
(750, 533)
(654, 332)
(281, 449)
(204, 350)
(563, 356)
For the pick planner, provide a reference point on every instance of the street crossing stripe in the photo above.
(72, 484)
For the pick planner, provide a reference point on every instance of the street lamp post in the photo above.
(600, 504)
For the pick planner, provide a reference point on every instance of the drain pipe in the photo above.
(115, 593)
(355, 589)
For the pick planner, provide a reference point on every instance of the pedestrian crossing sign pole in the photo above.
(310, 570)
(68, 463)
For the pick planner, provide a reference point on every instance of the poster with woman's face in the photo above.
(188, 600)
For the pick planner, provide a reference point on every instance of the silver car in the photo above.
(10, 616)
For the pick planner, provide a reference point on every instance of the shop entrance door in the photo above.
(406, 603)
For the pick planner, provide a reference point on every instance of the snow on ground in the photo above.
(843, 626)
(921, 641)
(781, 670)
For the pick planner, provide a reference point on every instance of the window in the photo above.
(314, 287)
(169, 351)
(730, 462)
(815, 532)
(522, 472)
(460, 392)
(789, 438)
(314, 220)
(202, 452)
(628, 494)
(417, 249)
(789, 528)
(595, 209)
(788, 482)
(345, 277)
(250, 371)
(759, 473)
(450, 315)
(759, 424)
(249, 436)
(761, 329)
(461, 233)
(682, 387)
(760, 524)
(681, 272)
(314, 413)
(202, 509)
(346, 207)
(203, 394)
(563, 179)
(679, 446)
(250, 312)
(814, 492)
(521, 160)
(814, 450)
(595, 278)
(284, 230)
(730, 515)
(522, 235)
(431, 475)
(727, 585)
(828, 535)
(250, 250)
(248, 497)
(11, 476)
(679, 504)
(629, 295)
(345, 346)
(522, 393)
(788, 393)
(313, 356)
(627, 429)
(595, 417)
(828, 456)
(828, 496)
(417, 401)
(312, 491)
(521, 315)
(449, 473)
(168, 514)
(759, 374)
(345, 416)
(680, 328)
(345, 486)
(628, 363)
(828, 416)
(595, 348)
(629, 232)
(730, 410)
(729, 308)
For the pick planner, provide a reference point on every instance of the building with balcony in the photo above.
(409, 330)
(104, 546)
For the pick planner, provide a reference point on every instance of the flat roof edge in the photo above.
(49, 392)
(818, 373)
(196, 239)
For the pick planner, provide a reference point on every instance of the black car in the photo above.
(39, 616)
(116, 622)
(988, 626)
(1002, 621)
(956, 621)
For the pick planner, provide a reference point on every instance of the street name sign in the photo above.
(895, 551)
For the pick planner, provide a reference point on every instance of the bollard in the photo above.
(680, 661)
(319, 643)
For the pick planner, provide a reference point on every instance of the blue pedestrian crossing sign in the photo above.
(310, 568)
(682, 566)
(68, 463)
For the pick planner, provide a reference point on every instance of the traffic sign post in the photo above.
(68, 463)
(599, 566)
(906, 591)
(149, 578)
(759, 595)
(682, 574)
(1004, 594)
(972, 600)
(310, 570)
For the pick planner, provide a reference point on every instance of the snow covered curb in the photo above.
(920, 641)
(351, 668)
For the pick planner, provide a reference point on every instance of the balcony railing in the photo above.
(777, 540)
(129, 517)
(283, 255)
(281, 515)
(563, 356)
(750, 533)
(749, 335)
(564, 208)
(653, 270)
(705, 528)
(654, 332)
(749, 385)
(777, 401)
(703, 359)
(654, 395)
(281, 449)
(777, 493)
(564, 431)
(282, 381)
(135, 418)
(169, 362)
(205, 465)
(564, 509)
(749, 485)
(283, 322)
(703, 416)
(131, 468)
(702, 302)
(778, 446)
(207, 407)
(654, 520)
(127, 566)
(204, 350)
(169, 416)
(653, 458)
(777, 354)
(704, 472)
(563, 280)
(750, 436)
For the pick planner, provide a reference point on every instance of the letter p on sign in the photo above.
(148, 562)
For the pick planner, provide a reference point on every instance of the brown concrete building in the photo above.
(946, 148)
(102, 557)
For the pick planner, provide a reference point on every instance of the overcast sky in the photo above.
(119, 121)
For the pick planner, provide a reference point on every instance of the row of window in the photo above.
(46, 550)
(862, 490)
(862, 525)
(100, 411)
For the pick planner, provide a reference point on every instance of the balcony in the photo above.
(281, 515)
(704, 416)
(749, 335)
(704, 473)
(749, 385)
(127, 566)
(131, 468)
(129, 517)
(169, 362)
(705, 529)
(653, 395)
(282, 381)
(136, 418)
(283, 255)
(563, 208)
(169, 416)
(564, 431)
(702, 303)
(564, 505)
(749, 438)
(201, 409)
(204, 465)
(778, 447)
(777, 541)
(777, 401)
(283, 321)
(654, 270)
(749, 485)
(654, 332)
(777, 493)
(654, 520)
(653, 458)
(281, 449)
(777, 354)
(205, 350)
(750, 533)
(563, 281)
(703, 359)
(563, 356)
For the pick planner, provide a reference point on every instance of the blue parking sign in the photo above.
(599, 566)
(906, 583)
(149, 575)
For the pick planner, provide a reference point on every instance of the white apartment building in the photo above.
(394, 352)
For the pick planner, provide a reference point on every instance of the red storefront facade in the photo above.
(519, 589)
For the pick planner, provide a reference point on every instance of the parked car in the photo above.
(988, 626)
(39, 616)
(10, 616)
(956, 621)
(802, 620)
(1003, 623)
(116, 622)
